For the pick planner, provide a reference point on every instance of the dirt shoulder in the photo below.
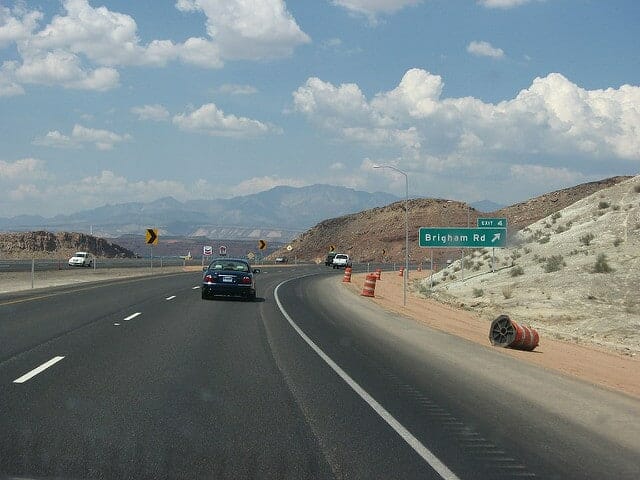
(600, 367)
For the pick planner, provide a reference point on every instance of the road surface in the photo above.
(142, 379)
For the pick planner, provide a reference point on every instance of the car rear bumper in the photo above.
(228, 290)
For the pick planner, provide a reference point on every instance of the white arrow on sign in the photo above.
(496, 237)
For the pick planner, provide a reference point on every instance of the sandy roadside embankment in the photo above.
(607, 369)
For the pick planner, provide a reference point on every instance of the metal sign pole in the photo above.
(431, 268)
(462, 263)
(151, 257)
(33, 271)
(493, 260)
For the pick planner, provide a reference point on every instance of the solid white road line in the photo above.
(117, 324)
(407, 436)
(131, 317)
(171, 297)
(36, 371)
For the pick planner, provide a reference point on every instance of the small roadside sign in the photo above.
(289, 248)
(262, 244)
(222, 251)
(152, 236)
(251, 256)
(332, 248)
(492, 223)
(207, 251)
(458, 237)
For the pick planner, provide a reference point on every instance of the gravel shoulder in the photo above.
(587, 362)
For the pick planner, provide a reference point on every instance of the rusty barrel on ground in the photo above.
(378, 274)
(347, 275)
(505, 332)
(369, 285)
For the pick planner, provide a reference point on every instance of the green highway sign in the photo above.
(458, 237)
(492, 223)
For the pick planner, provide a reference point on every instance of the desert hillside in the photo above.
(379, 234)
(573, 274)
(42, 244)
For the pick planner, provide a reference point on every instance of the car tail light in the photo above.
(209, 278)
(245, 280)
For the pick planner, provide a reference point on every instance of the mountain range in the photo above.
(281, 212)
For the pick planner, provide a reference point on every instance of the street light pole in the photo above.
(406, 229)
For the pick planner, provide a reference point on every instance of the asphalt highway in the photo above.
(142, 379)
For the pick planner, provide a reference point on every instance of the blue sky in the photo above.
(117, 101)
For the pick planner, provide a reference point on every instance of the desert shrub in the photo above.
(602, 266)
(467, 263)
(555, 216)
(527, 250)
(636, 189)
(617, 242)
(452, 277)
(586, 239)
(554, 263)
(561, 229)
(445, 274)
(544, 239)
(476, 267)
(478, 292)
(603, 205)
(547, 225)
(569, 223)
(507, 291)
(456, 268)
(517, 271)
(615, 207)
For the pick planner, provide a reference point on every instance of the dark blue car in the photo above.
(231, 277)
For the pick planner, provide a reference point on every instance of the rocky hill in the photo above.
(573, 274)
(378, 234)
(57, 245)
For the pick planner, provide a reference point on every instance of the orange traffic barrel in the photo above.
(401, 272)
(378, 274)
(347, 275)
(505, 332)
(369, 285)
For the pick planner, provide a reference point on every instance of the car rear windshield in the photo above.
(229, 265)
(342, 256)
(81, 254)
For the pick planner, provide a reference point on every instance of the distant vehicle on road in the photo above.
(81, 259)
(232, 277)
(281, 260)
(329, 260)
(341, 260)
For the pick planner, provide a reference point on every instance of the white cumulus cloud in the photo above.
(80, 135)
(484, 49)
(372, 8)
(552, 117)
(233, 89)
(210, 120)
(22, 169)
(83, 46)
(249, 29)
(155, 112)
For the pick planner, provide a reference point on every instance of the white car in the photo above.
(341, 260)
(81, 259)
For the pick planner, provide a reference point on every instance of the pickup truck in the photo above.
(341, 260)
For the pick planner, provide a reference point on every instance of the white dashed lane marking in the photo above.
(37, 370)
(171, 297)
(131, 317)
